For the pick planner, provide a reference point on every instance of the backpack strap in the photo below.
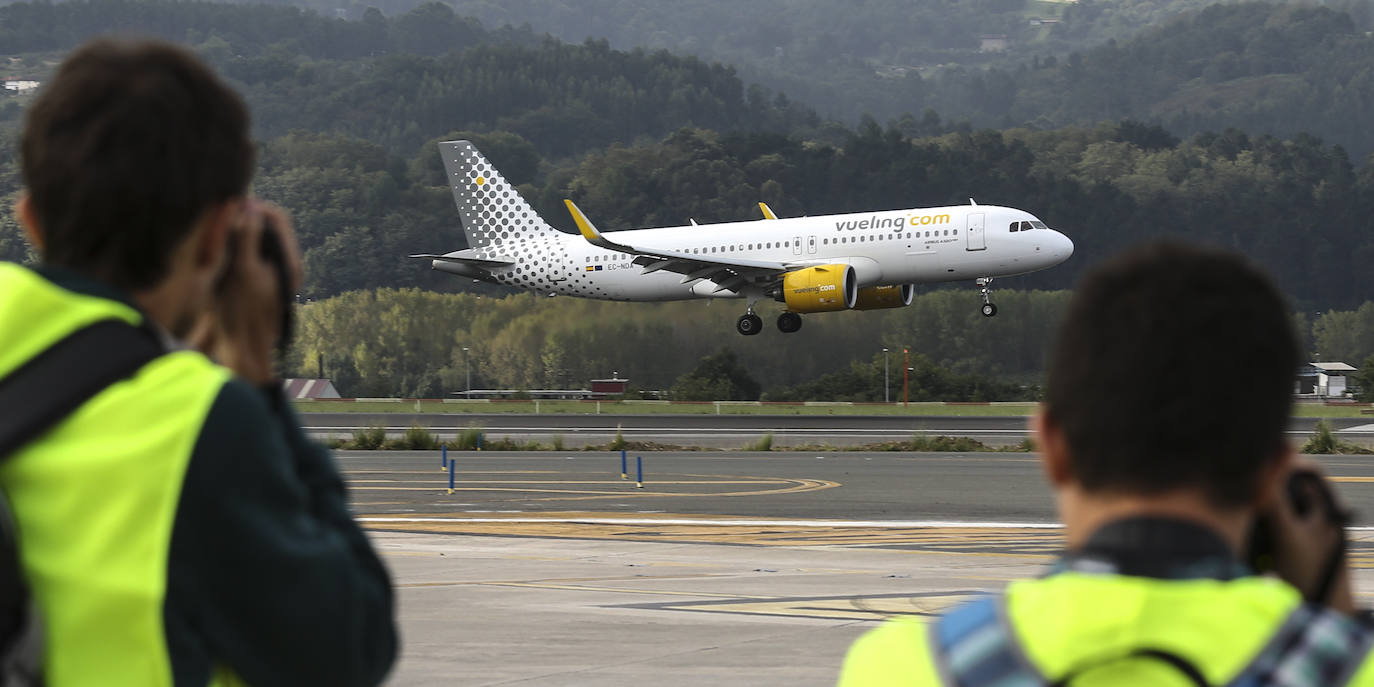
(1314, 647)
(57, 381)
(33, 399)
(973, 645)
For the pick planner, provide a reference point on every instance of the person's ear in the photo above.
(28, 219)
(1054, 449)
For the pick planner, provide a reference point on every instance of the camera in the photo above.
(1304, 491)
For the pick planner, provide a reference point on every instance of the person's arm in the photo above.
(268, 572)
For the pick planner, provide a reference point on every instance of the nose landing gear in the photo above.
(989, 308)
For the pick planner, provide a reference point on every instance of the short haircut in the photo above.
(127, 147)
(1174, 368)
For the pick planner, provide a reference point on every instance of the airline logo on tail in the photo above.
(810, 264)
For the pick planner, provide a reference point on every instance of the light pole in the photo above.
(884, 375)
(467, 372)
(906, 376)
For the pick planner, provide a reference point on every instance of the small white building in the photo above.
(304, 389)
(21, 85)
(993, 43)
(1324, 380)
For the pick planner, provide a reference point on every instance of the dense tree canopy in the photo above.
(349, 110)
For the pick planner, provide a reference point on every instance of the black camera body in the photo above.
(271, 250)
(1304, 491)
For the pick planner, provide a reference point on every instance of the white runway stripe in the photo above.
(895, 524)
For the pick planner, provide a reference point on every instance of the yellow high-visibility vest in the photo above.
(96, 497)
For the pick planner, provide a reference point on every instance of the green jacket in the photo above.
(178, 528)
(1185, 596)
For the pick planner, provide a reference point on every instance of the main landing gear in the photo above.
(789, 322)
(749, 324)
(989, 308)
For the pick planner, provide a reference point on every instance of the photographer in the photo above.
(174, 524)
(1173, 497)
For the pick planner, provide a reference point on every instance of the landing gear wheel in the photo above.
(749, 324)
(985, 292)
(789, 322)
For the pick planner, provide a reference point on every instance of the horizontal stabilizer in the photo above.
(467, 257)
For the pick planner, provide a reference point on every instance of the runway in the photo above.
(887, 487)
(548, 568)
(727, 431)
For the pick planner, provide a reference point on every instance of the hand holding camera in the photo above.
(251, 314)
(1301, 538)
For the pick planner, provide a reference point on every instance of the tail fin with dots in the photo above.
(495, 218)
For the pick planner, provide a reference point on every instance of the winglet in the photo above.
(589, 231)
(584, 225)
(767, 211)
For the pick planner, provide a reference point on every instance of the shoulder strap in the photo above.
(1314, 647)
(973, 646)
(33, 398)
(57, 381)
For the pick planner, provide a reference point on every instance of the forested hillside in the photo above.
(1278, 69)
(348, 112)
(399, 81)
(365, 184)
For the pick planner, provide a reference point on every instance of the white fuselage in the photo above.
(885, 248)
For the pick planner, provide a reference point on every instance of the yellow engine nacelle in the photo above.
(879, 297)
(823, 288)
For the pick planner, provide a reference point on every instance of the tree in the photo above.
(719, 377)
(1365, 380)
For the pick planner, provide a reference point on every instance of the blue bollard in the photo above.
(624, 472)
(639, 469)
(479, 442)
(450, 477)
(443, 452)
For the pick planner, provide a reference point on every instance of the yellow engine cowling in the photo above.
(879, 297)
(823, 288)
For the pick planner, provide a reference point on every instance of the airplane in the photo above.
(856, 261)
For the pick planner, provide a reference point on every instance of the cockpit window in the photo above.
(1039, 225)
(1015, 226)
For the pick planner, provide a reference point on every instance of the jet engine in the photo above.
(823, 288)
(879, 297)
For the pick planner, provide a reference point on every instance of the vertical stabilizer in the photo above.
(496, 219)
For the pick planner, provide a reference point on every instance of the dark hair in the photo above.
(123, 152)
(1173, 367)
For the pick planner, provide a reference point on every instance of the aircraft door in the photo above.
(975, 231)
(796, 245)
(811, 244)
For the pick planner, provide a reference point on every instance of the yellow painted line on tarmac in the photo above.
(569, 481)
(620, 590)
(1352, 480)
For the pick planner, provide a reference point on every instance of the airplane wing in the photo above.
(467, 256)
(729, 274)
